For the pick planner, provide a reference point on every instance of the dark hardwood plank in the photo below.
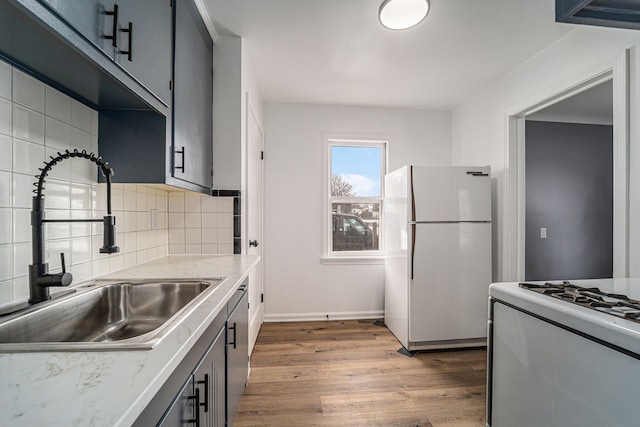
(349, 373)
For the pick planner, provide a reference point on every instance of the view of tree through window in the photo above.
(356, 196)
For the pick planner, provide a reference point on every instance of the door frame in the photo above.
(614, 69)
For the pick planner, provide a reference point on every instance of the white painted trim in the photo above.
(307, 317)
(353, 260)
(204, 13)
(615, 69)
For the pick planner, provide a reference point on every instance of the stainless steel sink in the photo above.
(104, 315)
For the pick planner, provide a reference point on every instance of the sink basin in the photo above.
(105, 315)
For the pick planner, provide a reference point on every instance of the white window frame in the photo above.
(351, 257)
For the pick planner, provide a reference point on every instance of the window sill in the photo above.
(353, 260)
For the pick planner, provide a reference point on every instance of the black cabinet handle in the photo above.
(234, 335)
(253, 243)
(128, 30)
(114, 29)
(206, 393)
(196, 397)
(182, 153)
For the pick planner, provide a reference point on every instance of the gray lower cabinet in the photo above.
(237, 354)
(205, 389)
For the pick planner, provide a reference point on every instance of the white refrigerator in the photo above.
(437, 240)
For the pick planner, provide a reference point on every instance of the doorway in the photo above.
(569, 188)
(614, 71)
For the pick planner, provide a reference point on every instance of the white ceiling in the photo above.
(594, 106)
(336, 52)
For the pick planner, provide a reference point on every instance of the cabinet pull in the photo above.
(195, 397)
(182, 153)
(114, 29)
(234, 335)
(206, 393)
(128, 30)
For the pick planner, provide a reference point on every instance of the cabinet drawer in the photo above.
(237, 296)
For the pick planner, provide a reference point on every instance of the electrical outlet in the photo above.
(543, 233)
(153, 219)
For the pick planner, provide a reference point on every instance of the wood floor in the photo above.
(349, 373)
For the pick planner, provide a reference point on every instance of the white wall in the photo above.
(478, 125)
(297, 284)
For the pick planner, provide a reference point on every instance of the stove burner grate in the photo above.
(593, 298)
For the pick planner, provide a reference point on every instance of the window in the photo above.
(355, 175)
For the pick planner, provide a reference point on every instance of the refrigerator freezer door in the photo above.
(452, 274)
(445, 193)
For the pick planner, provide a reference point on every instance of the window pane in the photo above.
(355, 171)
(355, 226)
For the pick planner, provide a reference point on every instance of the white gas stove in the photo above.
(564, 354)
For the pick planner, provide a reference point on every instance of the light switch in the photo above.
(543, 233)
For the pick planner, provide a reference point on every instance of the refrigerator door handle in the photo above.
(413, 225)
(413, 246)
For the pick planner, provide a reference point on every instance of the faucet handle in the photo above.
(64, 269)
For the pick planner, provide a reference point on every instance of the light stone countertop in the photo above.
(111, 388)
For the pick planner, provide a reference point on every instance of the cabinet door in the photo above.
(237, 356)
(144, 43)
(192, 97)
(209, 378)
(182, 409)
(94, 19)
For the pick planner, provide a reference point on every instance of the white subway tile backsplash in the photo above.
(6, 117)
(94, 122)
(80, 140)
(176, 220)
(22, 191)
(83, 171)
(209, 235)
(177, 235)
(225, 220)
(193, 236)
(5, 80)
(21, 225)
(193, 220)
(53, 250)
(177, 248)
(225, 235)
(28, 91)
(209, 220)
(209, 249)
(20, 288)
(5, 189)
(80, 250)
(5, 262)
(129, 221)
(81, 272)
(225, 204)
(6, 291)
(7, 152)
(21, 259)
(57, 194)
(192, 203)
(141, 200)
(57, 134)
(209, 204)
(79, 229)
(176, 202)
(80, 196)
(28, 124)
(27, 156)
(6, 225)
(57, 230)
(129, 242)
(80, 116)
(57, 105)
(193, 249)
(130, 200)
(225, 248)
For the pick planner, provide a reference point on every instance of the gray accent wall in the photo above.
(569, 191)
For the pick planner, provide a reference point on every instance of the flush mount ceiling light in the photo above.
(402, 14)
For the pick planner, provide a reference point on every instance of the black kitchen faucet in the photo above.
(39, 277)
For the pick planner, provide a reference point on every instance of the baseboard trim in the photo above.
(306, 317)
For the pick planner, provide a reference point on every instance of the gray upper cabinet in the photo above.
(192, 99)
(136, 34)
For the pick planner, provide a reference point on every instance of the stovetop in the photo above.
(593, 298)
